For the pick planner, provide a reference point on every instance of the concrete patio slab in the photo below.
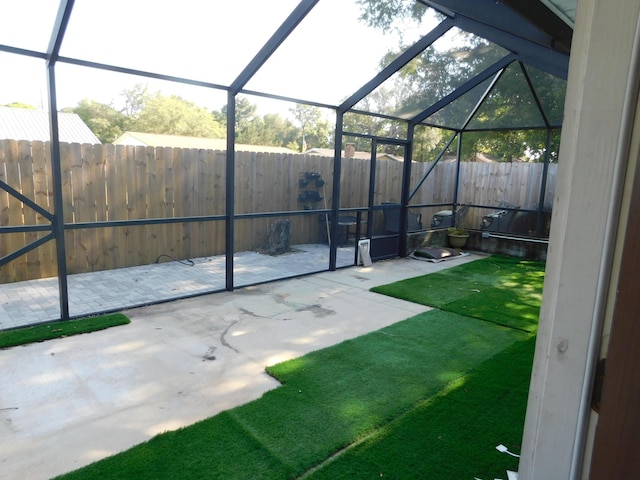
(68, 402)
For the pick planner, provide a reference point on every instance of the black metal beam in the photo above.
(465, 87)
(406, 186)
(479, 104)
(533, 54)
(372, 185)
(292, 21)
(335, 199)
(543, 183)
(59, 29)
(53, 50)
(23, 52)
(379, 115)
(532, 88)
(142, 222)
(26, 200)
(56, 176)
(428, 172)
(456, 187)
(399, 141)
(26, 228)
(529, 20)
(27, 248)
(288, 99)
(139, 73)
(546, 20)
(404, 58)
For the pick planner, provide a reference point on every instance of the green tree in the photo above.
(248, 122)
(313, 131)
(26, 106)
(104, 121)
(277, 131)
(253, 129)
(174, 115)
(135, 100)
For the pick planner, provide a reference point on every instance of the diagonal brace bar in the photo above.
(12, 191)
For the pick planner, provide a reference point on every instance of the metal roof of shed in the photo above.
(25, 124)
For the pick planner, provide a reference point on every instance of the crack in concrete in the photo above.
(223, 341)
(250, 313)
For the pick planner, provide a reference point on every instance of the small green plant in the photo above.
(460, 221)
(460, 231)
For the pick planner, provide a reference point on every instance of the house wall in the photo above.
(583, 248)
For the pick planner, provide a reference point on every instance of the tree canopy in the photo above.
(442, 68)
(149, 112)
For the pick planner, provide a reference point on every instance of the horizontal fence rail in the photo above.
(106, 183)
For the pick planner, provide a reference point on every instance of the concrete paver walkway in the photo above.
(68, 402)
(36, 301)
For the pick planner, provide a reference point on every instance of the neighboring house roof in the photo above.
(328, 152)
(24, 124)
(177, 141)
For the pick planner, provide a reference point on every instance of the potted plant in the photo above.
(457, 237)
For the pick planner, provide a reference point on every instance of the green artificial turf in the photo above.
(51, 330)
(452, 435)
(330, 399)
(498, 289)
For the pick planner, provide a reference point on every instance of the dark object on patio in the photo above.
(278, 238)
(500, 220)
(347, 228)
(442, 219)
(526, 223)
(436, 254)
(392, 219)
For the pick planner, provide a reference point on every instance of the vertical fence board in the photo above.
(15, 215)
(219, 202)
(154, 200)
(203, 179)
(110, 235)
(6, 274)
(93, 182)
(77, 255)
(27, 186)
(178, 198)
(169, 202)
(121, 207)
(43, 196)
(138, 206)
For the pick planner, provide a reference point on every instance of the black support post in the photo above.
(335, 201)
(543, 183)
(56, 175)
(230, 192)
(406, 186)
(457, 184)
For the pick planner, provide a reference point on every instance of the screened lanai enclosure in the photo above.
(321, 123)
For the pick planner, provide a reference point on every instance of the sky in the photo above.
(327, 58)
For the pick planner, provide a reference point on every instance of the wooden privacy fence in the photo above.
(107, 183)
